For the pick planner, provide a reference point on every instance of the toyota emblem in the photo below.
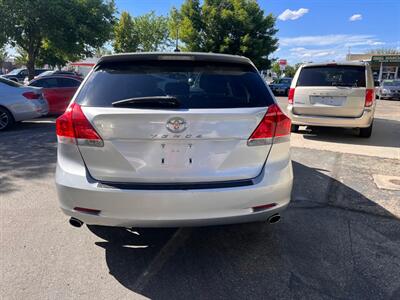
(176, 125)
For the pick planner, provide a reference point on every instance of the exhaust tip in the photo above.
(75, 222)
(274, 219)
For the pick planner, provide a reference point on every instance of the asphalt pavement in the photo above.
(339, 238)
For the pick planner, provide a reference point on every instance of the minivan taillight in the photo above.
(291, 95)
(369, 97)
(274, 124)
(73, 127)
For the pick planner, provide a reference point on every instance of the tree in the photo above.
(3, 56)
(60, 30)
(125, 37)
(152, 31)
(21, 59)
(384, 51)
(148, 32)
(227, 26)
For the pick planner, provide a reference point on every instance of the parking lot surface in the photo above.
(339, 239)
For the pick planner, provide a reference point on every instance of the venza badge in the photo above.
(176, 125)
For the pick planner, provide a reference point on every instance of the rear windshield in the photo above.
(194, 84)
(352, 76)
(9, 82)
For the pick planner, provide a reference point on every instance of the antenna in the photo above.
(177, 41)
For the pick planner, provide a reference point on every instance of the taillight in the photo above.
(369, 97)
(32, 95)
(74, 127)
(274, 124)
(291, 95)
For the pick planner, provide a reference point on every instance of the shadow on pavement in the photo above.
(27, 151)
(333, 242)
(385, 133)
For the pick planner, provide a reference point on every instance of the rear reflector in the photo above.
(263, 207)
(291, 95)
(32, 95)
(274, 124)
(87, 210)
(74, 127)
(369, 97)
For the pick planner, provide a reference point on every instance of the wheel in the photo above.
(6, 119)
(366, 132)
(294, 128)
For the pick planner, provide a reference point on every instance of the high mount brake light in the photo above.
(275, 124)
(73, 127)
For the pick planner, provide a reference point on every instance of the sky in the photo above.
(314, 30)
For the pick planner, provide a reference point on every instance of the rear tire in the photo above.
(366, 132)
(294, 128)
(6, 119)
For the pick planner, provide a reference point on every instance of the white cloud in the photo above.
(302, 53)
(343, 40)
(356, 17)
(292, 14)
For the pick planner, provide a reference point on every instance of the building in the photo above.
(384, 66)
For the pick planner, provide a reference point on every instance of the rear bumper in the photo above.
(363, 121)
(175, 208)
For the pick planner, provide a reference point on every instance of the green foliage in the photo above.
(290, 71)
(148, 32)
(58, 30)
(21, 59)
(3, 56)
(227, 26)
(125, 37)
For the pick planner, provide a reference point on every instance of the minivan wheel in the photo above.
(6, 119)
(366, 132)
(294, 128)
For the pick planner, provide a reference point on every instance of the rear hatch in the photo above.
(166, 121)
(330, 90)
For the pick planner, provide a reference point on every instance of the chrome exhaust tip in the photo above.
(274, 219)
(75, 222)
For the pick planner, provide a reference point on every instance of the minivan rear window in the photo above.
(195, 84)
(337, 75)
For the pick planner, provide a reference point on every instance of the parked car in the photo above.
(281, 86)
(58, 91)
(18, 75)
(390, 89)
(137, 147)
(59, 72)
(18, 103)
(333, 94)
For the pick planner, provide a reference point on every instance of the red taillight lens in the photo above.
(73, 126)
(32, 95)
(369, 97)
(274, 124)
(291, 95)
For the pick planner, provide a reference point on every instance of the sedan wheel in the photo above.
(6, 119)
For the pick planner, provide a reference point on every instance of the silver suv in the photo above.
(333, 94)
(176, 139)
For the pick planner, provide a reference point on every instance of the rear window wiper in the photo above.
(149, 102)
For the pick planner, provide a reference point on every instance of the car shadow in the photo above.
(28, 150)
(385, 133)
(333, 242)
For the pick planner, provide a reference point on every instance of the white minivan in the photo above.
(334, 95)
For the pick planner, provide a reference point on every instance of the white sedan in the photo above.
(19, 102)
